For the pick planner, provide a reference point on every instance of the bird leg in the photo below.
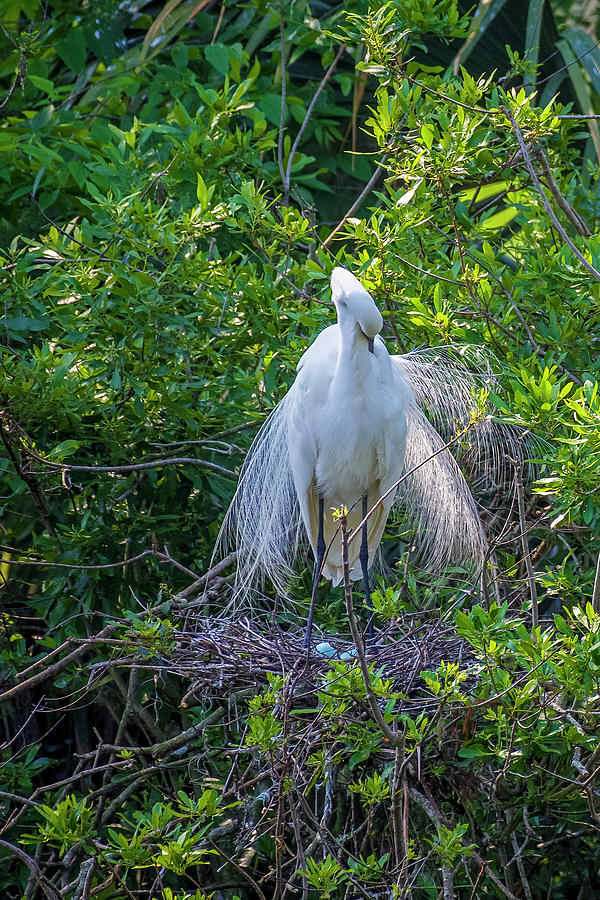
(364, 564)
(318, 567)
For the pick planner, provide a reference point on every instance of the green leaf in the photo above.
(271, 106)
(42, 84)
(488, 253)
(218, 57)
(428, 134)
(24, 323)
(64, 449)
(73, 49)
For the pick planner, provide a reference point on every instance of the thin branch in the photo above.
(565, 67)
(219, 22)
(283, 98)
(429, 809)
(499, 884)
(393, 737)
(508, 294)
(543, 197)
(525, 546)
(309, 111)
(579, 116)
(137, 467)
(35, 870)
(11, 90)
(518, 858)
(190, 734)
(194, 588)
(457, 437)
(572, 214)
(241, 869)
(427, 272)
(106, 633)
(430, 90)
(596, 588)
(366, 190)
(399, 800)
(163, 557)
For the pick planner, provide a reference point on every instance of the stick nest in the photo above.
(238, 653)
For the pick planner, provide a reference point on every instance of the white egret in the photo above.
(347, 430)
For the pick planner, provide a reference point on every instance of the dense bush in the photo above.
(167, 228)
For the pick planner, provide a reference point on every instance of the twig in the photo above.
(16, 453)
(194, 588)
(525, 546)
(544, 199)
(11, 90)
(143, 717)
(411, 265)
(508, 294)
(106, 633)
(147, 189)
(311, 106)
(26, 801)
(389, 733)
(579, 115)
(219, 22)
(137, 467)
(283, 97)
(243, 872)
(596, 588)
(163, 557)
(366, 190)
(430, 810)
(519, 861)
(83, 883)
(457, 437)
(190, 734)
(572, 214)
(572, 836)
(397, 804)
(501, 887)
(35, 870)
(430, 90)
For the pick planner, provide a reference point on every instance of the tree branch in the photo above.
(311, 106)
(544, 199)
(366, 190)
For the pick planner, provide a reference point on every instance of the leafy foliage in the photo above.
(167, 227)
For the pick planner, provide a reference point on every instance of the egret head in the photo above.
(348, 292)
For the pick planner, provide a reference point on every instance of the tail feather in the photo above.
(263, 520)
(438, 501)
(446, 382)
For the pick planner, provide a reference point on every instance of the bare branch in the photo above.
(137, 467)
(543, 197)
(393, 737)
(572, 214)
(366, 190)
(105, 634)
(35, 870)
(283, 99)
(311, 106)
(525, 546)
